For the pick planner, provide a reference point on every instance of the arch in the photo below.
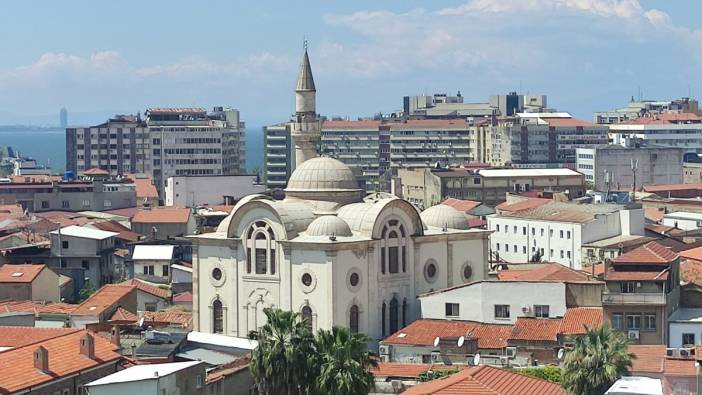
(217, 316)
(307, 319)
(394, 315)
(260, 248)
(290, 218)
(398, 209)
(353, 318)
(393, 247)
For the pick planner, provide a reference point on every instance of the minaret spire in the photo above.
(306, 126)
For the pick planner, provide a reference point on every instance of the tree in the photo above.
(597, 360)
(87, 290)
(343, 362)
(280, 364)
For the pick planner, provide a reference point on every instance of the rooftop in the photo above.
(563, 212)
(38, 308)
(544, 272)
(104, 298)
(461, 205)
(408, 370)
(423, 332)
(171, 317)
(144, 372)
(95, 171)
(652, 360)
(576, 320)
(85, 233)
(153, 252)
(148, 288)
(536, 329)
(556, 172)
(523, 204)
(162, 216)
(11, 273)
(20, 336)
(650, 253)
(124, 233)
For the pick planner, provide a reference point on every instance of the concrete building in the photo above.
(685, 328)
(158, 146)
(639, 108)
(692, 172)
(102, 304)
(29, 282)
(277, 158)
(441, 105)
(164, 223)
(149, 297)
(153, 263)
(613, 164)
(160, 378)
(683, 220)
(426, 187)
(325, 251)
(191, 191)
(86, 250)
(557, 232)
(682, 130)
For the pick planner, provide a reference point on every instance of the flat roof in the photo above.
(222, 340)
(86, 233)
(629, 385)
(144, 372)
(684, 215)
(527, 172)
(155, 252)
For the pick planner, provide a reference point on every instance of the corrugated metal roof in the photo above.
(153, 252)
(86, 233)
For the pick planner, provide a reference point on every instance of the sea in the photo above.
(48, 146)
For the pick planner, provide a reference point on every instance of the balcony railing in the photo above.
(633, 298)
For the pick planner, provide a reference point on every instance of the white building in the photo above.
(190, 191)
(153, 262)
(557, 231)
(159, 378)
(683, 130)
(613, 164)
(326, 251)
(83, 248)
(683, 220)
(685, 327)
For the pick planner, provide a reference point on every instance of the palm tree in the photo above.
(597, 360)
(343, 362)
(281, 363)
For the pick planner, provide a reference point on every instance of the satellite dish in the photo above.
(436, 341)
(561, 352)
(461, 340)
(476, 359)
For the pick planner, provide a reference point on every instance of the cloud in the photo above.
(605, 8)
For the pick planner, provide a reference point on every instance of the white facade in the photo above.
(328, 253)
(518, 238)
(686, 135)
(687, 322)
(190, 191)
(683, 220)
(477, 301)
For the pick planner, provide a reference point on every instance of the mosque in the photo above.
(337, 257)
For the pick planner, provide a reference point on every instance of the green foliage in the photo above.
(597, 360)
(87, 290)
(550, 373)
(436, 374)
(290, 360)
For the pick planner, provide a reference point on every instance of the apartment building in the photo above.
(168, 142)
(610, 166)
(426, 187)
(441, 105)
(639, 108)
(556, 232)
(682, 130)
(277, 158)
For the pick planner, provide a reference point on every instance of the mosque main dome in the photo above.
(322, 174)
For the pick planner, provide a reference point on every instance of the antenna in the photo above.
(304, 44)
(476, 360)
(436, 341)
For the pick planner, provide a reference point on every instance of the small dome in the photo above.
(322, 174)
(329, 225)
(441, 215)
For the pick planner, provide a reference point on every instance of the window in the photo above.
(524, 250)
(198, 381)
(515, 229)
(562, 254)
(568, 254)
(164, 270)
(44, 204)
(217, 317)
(64, 244)
(452, 309)
(149, 270)
(497, 247)
(501, 311)
(217, 273)
(497, 227)
(85, 264)
(86, 203)
(354, 279)
(633, 321)
(382, 319)
(404, 313)
(568, 235)
(65, 204)
(542, 232)
(506, 247)
(306, 279)
(561, 232)
(628, 287)
(541, 311)
(107, 203)
(394, 315)
(307, 317)
(392, 240)
(260, 247)
(550, 232)
(617, 321)
(148, 306)
(430, 270)
(524, 231)
(650, 322)
(353, 319)
(688, 339)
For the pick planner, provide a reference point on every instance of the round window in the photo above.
(307, 279)
(431, 270)
(217, 273)
(354, 279)
(467, 272)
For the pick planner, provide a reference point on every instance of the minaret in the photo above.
(305, 127)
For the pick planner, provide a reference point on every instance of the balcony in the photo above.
(633, 298)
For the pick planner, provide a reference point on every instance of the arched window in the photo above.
(404, 313)
(382, 320)
(307, 317)
(393, 248)
(217, 317)
(353, 319)
(260, 249)
(394, 315)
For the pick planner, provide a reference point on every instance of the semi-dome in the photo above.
(441, 216)
(322, 174)
(329, 225)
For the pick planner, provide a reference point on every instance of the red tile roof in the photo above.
(222, 371)
(172, 317)
(461, 205)
(671, 187)
(408, 370)
(128, 212)
(114, 226)
(123, 316)
(486, 380)
(26, 306)
(522, 205)
(351, 125)
(575, 320)
(95, 171)
(693, 253)
(10, 273)
(650, 253)
(568, 123)
(656, 275)
(691, 272)
(660, 229)
(183, 297)
(17, 365)
(162, 216)
(144, 185)
(10, 211)
(653, 214)
(423, 332)
(19, 336)
(148, 288)
(547, 272)
(103, 299)
(652, 359)
(536, 329)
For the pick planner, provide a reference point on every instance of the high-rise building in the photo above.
(670, 129)
(640, 108)
(63, 118)
(443, 106)
(277, 158)
(169, 142)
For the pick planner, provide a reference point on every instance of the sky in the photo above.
(99, 58)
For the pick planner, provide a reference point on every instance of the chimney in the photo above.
(87, 346)
(114, 337)
(41, 359)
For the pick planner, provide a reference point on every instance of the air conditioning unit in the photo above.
(526, 309)
(633, 334)
(435, 356)
(504, 360)
(384, 358)
(672, 352)
(385, 349)
(511, 352)
(686, 352)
